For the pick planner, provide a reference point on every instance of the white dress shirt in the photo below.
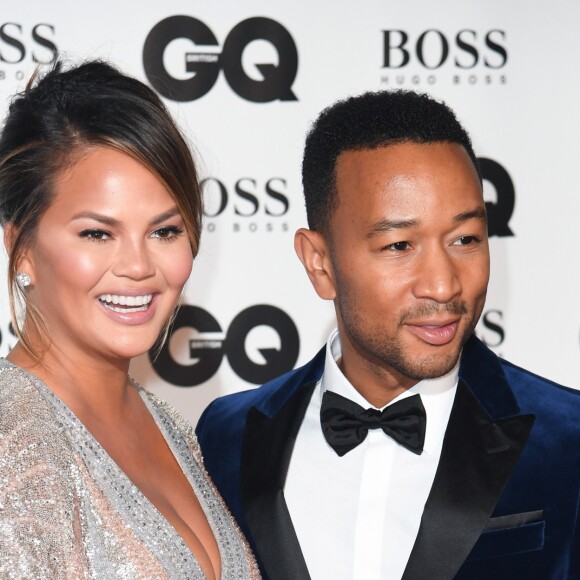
(357, 516)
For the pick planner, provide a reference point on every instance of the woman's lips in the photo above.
(131, 314)
(433, 333)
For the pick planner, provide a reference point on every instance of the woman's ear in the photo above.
(312, 251)
(8, 237)
(25, 263)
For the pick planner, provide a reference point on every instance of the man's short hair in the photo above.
(370, 121)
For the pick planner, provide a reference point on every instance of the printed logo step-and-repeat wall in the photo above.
(245, 79)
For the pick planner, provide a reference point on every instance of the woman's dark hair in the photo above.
(59, 117)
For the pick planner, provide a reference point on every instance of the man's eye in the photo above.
(466, 240)
(398, 246)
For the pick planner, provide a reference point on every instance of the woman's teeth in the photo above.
(120, 303)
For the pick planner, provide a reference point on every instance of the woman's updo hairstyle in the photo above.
(53, 122)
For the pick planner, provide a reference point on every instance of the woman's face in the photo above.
(109, 258)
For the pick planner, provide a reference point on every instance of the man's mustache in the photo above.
(434, 308)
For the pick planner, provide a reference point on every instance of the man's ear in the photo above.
(313, 252)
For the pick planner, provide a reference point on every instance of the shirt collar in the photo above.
(437, 394)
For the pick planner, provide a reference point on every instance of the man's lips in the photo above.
(433, 332)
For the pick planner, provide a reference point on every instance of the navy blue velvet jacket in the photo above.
(506, 497)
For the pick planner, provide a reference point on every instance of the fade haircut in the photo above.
(370, 121)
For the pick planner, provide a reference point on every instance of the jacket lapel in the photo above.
(483, 442)
(478, 456)
(266, 451)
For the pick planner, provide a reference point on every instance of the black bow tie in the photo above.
(346, 424)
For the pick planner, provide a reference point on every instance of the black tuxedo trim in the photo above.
(456, 513)
(476, 462)
(266, 452)
(485, 435)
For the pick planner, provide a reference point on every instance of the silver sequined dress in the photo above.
(68, 511)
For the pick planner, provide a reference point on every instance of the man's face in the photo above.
(409, 258)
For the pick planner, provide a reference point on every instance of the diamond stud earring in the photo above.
(23, 279)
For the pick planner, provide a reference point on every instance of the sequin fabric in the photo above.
(68, 511)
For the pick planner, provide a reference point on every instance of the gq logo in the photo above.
(205, 354)
(275, 84)
(499, 212)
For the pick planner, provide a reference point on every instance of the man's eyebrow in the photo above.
(387, 225)
(479, 214)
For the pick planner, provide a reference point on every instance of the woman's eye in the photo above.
(97, 235)
(167, 233)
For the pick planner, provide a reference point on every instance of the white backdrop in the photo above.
(508, 69)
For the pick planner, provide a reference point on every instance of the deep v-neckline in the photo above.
(127, 495)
